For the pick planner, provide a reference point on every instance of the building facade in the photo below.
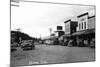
(59, 31)
(80, 32)
(70, 26)
(85, 22)
(85, 30)
(91, 22)
(82, 22)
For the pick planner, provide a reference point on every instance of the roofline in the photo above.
(67, 21)
(91, 17)
(82, 15)
(74, 21)
(70, 20)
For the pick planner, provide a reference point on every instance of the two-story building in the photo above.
(85, 29)
(70, 27)
(59, 32)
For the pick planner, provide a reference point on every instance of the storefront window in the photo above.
(79, 26)
(82, 25)
(85, 25)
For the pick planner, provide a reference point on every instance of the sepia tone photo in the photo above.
(51, 33)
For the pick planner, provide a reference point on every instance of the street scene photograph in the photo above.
(51, 33)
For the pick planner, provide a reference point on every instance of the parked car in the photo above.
(27, 45)
(48, 42)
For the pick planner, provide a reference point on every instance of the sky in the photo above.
(35, 19)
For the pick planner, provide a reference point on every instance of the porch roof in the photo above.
(88, 31)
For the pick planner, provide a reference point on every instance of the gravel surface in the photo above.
(45, 54)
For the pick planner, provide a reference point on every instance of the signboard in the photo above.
(59, 27)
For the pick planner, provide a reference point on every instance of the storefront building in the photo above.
(70, 27)
(85, 33)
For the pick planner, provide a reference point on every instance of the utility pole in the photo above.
(40, 36)
(50, 29)
(18, 36)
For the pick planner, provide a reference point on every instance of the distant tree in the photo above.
(17, 34)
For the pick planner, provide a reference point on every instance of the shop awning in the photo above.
(88, 31)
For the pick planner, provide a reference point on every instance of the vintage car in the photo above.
(27, 45)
